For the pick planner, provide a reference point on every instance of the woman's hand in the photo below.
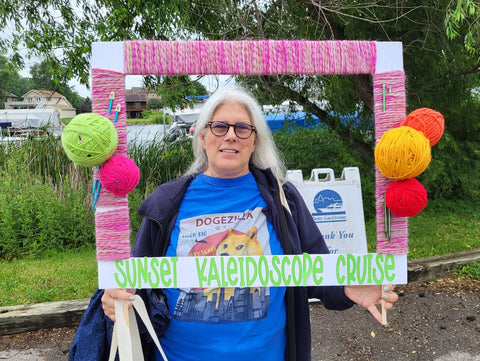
(109, 297)
(370, 296)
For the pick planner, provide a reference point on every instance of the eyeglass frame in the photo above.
(252, 128)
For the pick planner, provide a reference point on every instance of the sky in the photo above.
(210, 82)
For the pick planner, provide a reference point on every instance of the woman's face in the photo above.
(228, 155)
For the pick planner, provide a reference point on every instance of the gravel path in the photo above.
(437, 320)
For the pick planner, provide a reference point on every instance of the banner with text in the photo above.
(252, 271)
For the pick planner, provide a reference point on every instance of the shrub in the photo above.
(146, 113)
(35, 219)
(160, 162)
(453, 171)
(311, 148)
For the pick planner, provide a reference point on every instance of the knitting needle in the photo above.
(117, 111)
(94, 188)
(112, 96)
(383, 96)
(387, 222)
(97, 191)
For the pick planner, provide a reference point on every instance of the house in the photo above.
(136, 99)
(10, 98)
(136, 102)
(43, 99)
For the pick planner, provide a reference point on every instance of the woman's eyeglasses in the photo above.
(242, 130)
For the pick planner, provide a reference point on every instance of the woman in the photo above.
(228, 203)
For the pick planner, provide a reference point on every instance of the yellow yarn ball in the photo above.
(402, 153)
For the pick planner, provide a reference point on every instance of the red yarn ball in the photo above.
(119, 175)
(406, 198)
(427, 121)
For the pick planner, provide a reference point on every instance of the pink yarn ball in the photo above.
(119, 175)
(406, 198)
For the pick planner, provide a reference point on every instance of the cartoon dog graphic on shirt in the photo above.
(245, 244)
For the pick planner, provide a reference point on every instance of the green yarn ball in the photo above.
(89, 139)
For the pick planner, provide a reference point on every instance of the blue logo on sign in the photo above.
(328, 201)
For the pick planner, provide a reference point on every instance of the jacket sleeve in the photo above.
(94, 333)
(312, 242)
(146, 240)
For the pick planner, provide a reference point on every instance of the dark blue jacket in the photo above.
(93, 337)
(297, 231)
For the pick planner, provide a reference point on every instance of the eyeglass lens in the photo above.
(241, 130)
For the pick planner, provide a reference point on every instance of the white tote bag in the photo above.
(126, 337)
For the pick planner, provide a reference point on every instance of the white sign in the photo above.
(336, 206)
(254, 271)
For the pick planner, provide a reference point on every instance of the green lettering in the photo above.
(242, 279)
(142, 271)
(133, 280)
(153, 278)
(165, 271)
(200, 270)
(263, 270)
(231, 271)
(362, 275)
(213, 273)
(222, 272)
(369, 267)
(306, 271)
(297, 266)
(276, 270)
(350, 269)
(123, 281)
(249, 261)
(378, 260)
(340, 262)
(317, 269)
(174, 261)
(389, 266)
(286, 281)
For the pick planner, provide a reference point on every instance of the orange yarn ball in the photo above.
(427, 121)
(402, 153)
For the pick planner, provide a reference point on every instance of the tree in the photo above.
(21, 86)
(463, 19)
(437, 67)
(434, 33)
(8, 77)
(43, 79)
(154, 104)
(85, 106)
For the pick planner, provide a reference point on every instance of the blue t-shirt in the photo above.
(220, 217)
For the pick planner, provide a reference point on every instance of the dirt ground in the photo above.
(437, 320)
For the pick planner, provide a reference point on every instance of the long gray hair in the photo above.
(265, 154)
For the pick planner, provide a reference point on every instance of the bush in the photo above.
(160, 162)
(311, 148)
(453, 171)
(45, 201)
(146, 113)
(38, 217)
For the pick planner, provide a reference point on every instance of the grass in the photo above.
(58, 277)
(441, 228)
(152, 117)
